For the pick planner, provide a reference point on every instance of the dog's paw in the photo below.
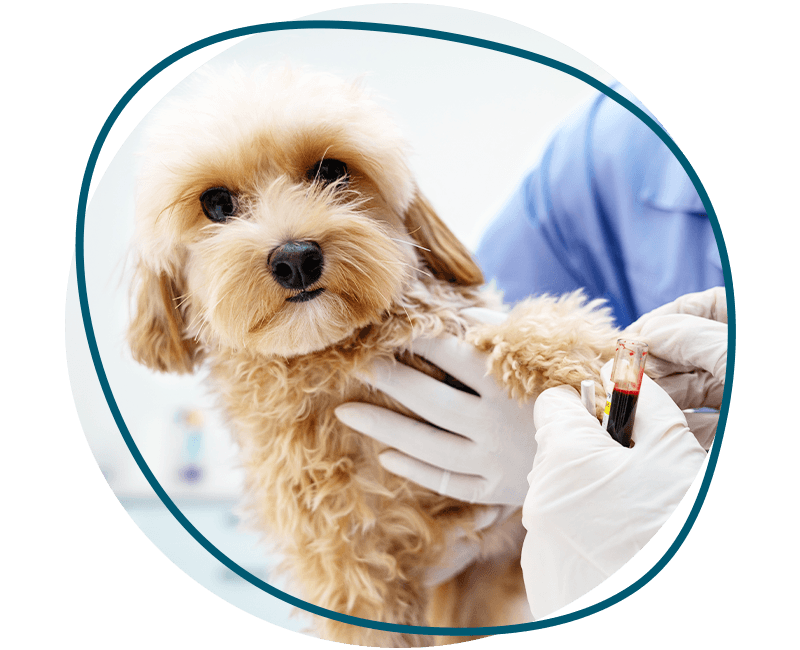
(547, 341)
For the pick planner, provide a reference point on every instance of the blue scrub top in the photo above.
(609, 209)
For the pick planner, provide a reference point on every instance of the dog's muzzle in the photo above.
(297, 265)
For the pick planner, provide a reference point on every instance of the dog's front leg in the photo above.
(547, 342)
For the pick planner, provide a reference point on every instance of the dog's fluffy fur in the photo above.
(357, 539)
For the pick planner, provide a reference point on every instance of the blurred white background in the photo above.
(475, 119)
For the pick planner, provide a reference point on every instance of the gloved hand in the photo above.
(688, 341)
(688, 355)
(475, 449)
(592, 504)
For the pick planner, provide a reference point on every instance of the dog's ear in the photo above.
(444, 255)
(157, 332)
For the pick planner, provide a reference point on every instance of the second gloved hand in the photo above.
(593, 504)
(688, 341)
(477, 449)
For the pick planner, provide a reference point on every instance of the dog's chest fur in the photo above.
(306, 471)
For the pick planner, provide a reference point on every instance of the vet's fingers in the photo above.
(485, 316)
(704, 427)
(446, 407)
(691, 390)
(416, 439)
(658, 418)
(690, 341)
(464, 487)
(458, 358)
(564, 428)
(559, 404)
(657, 368)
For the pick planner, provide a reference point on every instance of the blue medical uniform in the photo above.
(609, 209)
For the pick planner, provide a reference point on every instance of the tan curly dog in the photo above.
(282, 242)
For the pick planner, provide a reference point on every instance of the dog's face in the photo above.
(276, 213)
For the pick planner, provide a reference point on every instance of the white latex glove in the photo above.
(688, 341)
(475, 449)
(688, 355)
(593, 503)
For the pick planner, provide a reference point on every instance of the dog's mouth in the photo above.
(305, 296)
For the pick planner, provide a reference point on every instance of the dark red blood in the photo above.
(621, 414)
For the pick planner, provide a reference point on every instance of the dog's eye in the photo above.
(218, 204)
(328, 171)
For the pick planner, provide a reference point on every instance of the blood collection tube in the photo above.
(626, 375)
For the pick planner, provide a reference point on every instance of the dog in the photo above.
(282, 243)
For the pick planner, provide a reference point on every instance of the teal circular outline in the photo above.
(455, 38)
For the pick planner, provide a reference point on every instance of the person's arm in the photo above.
(527, 249)
(556, 234)
(608, 209)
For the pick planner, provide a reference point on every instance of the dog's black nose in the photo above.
(296, 264)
